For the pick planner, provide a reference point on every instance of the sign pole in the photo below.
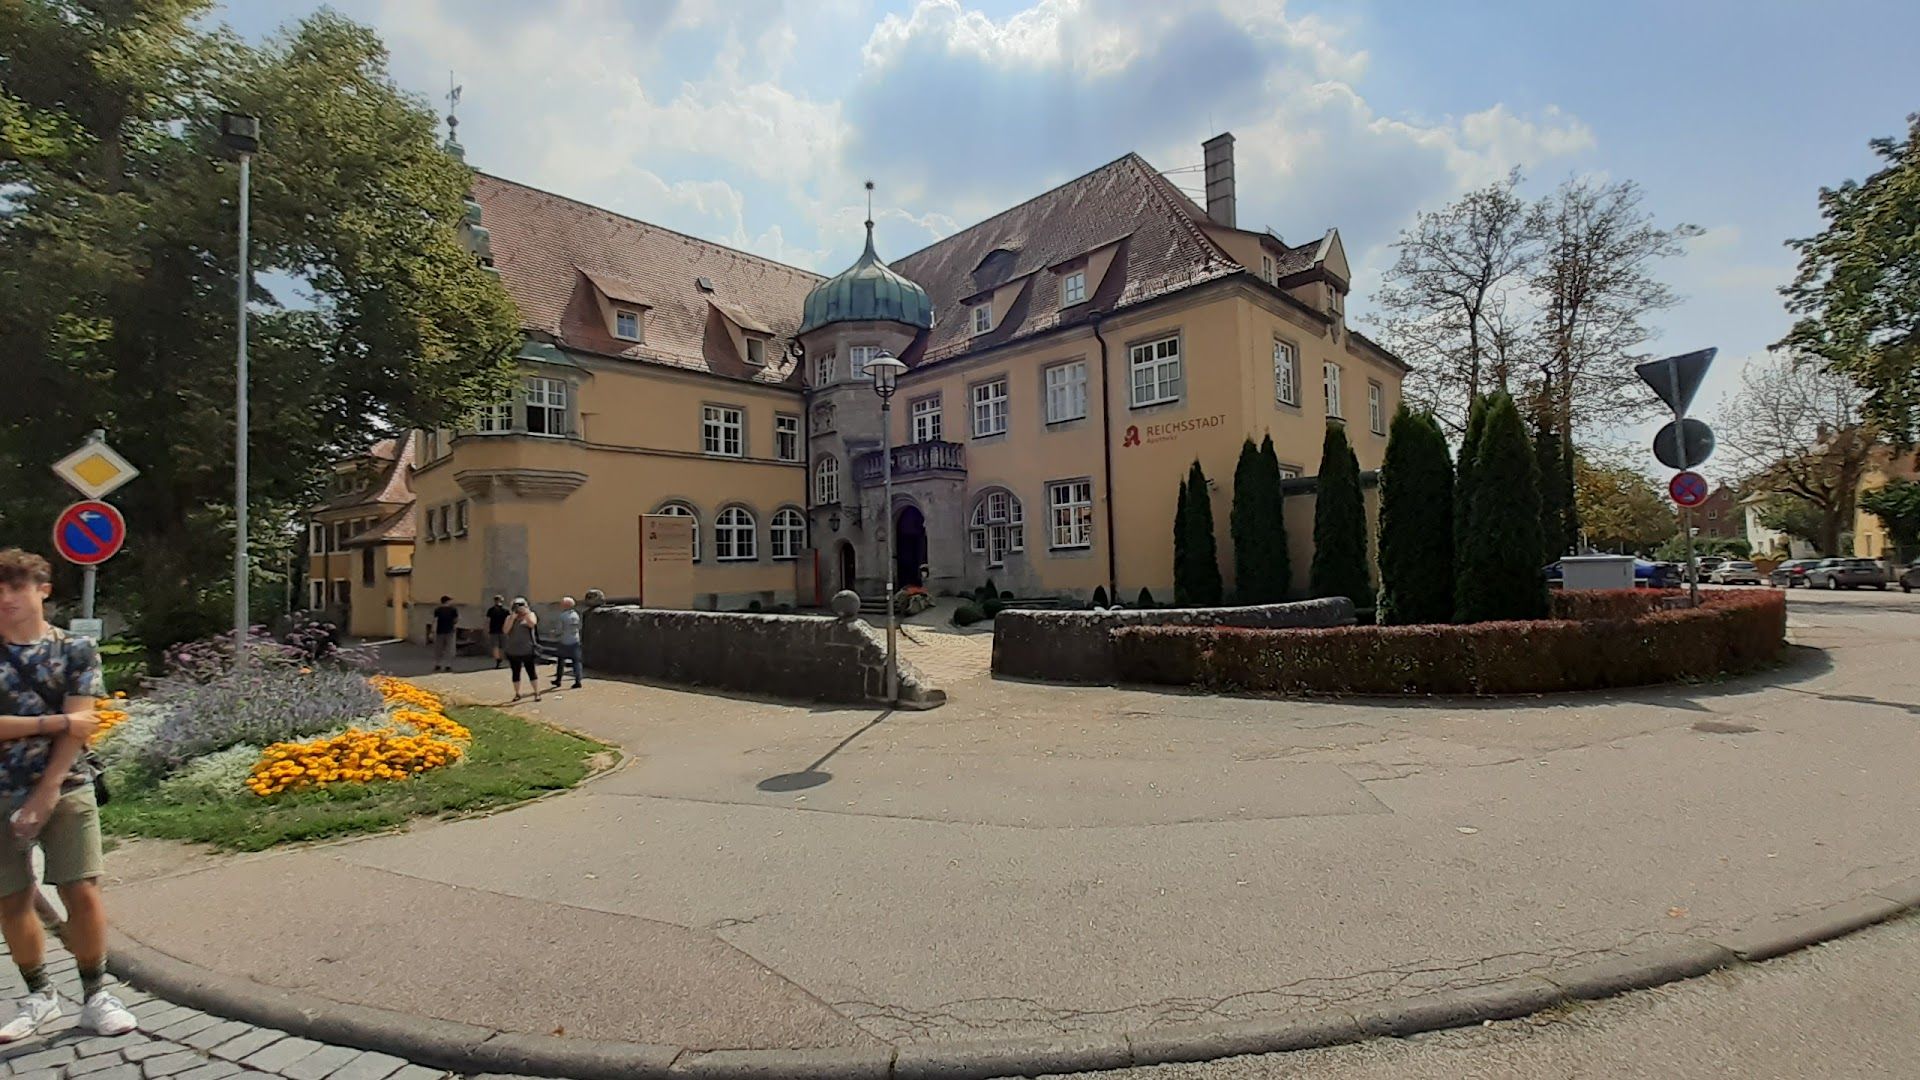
(241, 613)
(1686, 530)
(86, 592)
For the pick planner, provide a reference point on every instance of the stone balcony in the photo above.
(914, 461)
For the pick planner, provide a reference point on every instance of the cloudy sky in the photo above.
(753, 122)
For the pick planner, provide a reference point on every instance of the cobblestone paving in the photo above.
(178, 1043)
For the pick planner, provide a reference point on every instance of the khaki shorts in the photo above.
(71, 841)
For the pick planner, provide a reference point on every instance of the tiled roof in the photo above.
(397, 528)
(547, 248)
(395, 483)
(1162, 249)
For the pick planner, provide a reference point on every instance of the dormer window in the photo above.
(1073, 288)
(626, 324)
(757, 352)
(1266, 268)
(982, 318)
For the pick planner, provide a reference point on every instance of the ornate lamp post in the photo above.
(886, 369)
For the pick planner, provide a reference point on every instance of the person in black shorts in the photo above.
(521, 648)
(497, 629)
(446, 634)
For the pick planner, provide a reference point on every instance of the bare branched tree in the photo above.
(1594, 287)
(1798, 430)
(1445, 300)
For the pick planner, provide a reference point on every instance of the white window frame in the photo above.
(735, 535)
(786, 437)
(823, 370)
(1161, 362)
(620, 314)
(460, 510)
(989, 405)
(547, 398)
(1070, 514)
(981, 318)
(757, 351)
(997, 527)
(723, 431)
(1066, 391)
(1330, 386)
(858, 357)
(1286, 372)
(1073, 288)
(1376, 407)
(924, 419)
(342, 590)
(1266, 268)
(826, 481)
(494, 419)
(433, 524)
(316, 538)
(1289, 472)
(680, 509)
(787, 534)
(316, 593)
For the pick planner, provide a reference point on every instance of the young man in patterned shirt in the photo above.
(48, 683)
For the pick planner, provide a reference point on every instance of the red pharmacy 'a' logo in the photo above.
(1133, 437)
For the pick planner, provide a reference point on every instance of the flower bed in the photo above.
(415, 736)
(1731, 631)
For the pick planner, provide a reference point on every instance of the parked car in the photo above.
(1656, 575)
(1735, 572)
(1791, 573)
(1910, 577)
(1847, 574)
(1704, 566)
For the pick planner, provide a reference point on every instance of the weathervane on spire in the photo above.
(453, 107)
(869, 204)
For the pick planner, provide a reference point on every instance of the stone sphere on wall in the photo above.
(845, 603)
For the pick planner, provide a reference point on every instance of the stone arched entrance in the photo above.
(909, 545)
(847, 566)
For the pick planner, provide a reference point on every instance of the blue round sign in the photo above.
(89, 533)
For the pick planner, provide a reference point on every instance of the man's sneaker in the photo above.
(105, 1015)
(36, 1011)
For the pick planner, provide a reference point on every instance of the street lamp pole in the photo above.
(241, 133)
(886, 369)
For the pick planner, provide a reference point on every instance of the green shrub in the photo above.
(1181, 585)
(1501, 574)
(993, 607)
(1416, 523)
(1259, 539)
(1730, 632)
(1463, 484)
(1555, 504)
(1280, 568)
(1198, 547)
(1339, 524)
(967, 614)
(1145, 601)
(1100, 596)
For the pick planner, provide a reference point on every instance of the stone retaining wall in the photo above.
(1077, 646)
(801, 657)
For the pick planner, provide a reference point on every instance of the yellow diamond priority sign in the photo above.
(94, 470)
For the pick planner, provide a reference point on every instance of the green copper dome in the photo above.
(867, 291)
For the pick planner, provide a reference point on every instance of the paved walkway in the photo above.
(1034, 860)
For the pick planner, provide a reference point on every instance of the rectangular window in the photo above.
(430, 445)
(990, 408)
(858, 356)
(1266, 269)
(926, 420)
(1070, 513)
(1376, 408)
(720, 430)
(626, 325)
(494, 419)
(1330, 373)
(1066, 392)
(546, 406)
(366, 567)
(822, 370)
(1286, 373)
(433, 524)
(316, 538)
(342, 591)
(1289, 472)
(1156, 371)
(1073, 289)
(982, 318)
(786, 438)
(460, 518)
(756, 352)
(340, 534)
(316, 593)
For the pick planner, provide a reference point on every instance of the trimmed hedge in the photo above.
(1729, 632)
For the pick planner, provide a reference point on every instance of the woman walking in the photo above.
(520, 648)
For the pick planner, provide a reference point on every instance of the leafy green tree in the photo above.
(1800, 519)
(1622, 509)
(1856, 292)
(118, 271)
(1463, 491)
(1182, 566)
(1281, 566)
(1339, 524)
(1897, 505)
(1501, 575)
(1204, 588)
(1555, 503)
(1416, 523)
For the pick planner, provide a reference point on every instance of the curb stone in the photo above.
(467, 1048)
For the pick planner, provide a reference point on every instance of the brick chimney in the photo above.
(1219, 157)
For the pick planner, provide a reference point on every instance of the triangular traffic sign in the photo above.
(1677, 378)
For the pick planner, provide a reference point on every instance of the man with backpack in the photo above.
(48, 683)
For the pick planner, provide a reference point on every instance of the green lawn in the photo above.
(511, 761)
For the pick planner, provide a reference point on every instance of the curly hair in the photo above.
(19, 567)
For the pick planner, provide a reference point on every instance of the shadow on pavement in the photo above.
(813, 775)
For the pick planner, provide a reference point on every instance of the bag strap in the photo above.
(54, 705)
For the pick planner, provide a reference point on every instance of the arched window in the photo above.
(733, 535)
(788, 534)
(826, 481)
(679, 509)
(997, 526)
